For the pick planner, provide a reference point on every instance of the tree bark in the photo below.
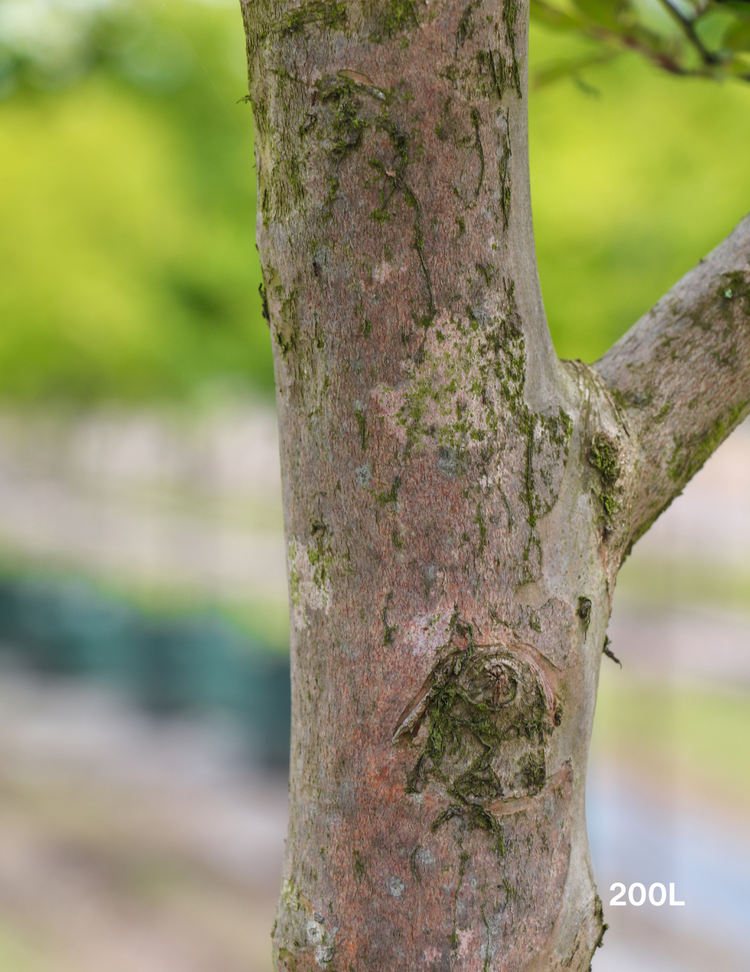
(457, 500)
(681, 375)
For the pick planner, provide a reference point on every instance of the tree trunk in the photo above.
(457, 500)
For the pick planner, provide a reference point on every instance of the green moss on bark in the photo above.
(391, 18)
(323, 14)
(604, 457)
(690, 454)
(486, 730)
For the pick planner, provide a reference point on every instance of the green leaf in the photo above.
(737, 37)
(551, 16)
(607, 13)
(557, 70)
(740, 8)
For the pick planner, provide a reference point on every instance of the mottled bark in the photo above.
(457, 500)
(681, 375)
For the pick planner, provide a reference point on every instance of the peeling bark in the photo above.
(457, 500)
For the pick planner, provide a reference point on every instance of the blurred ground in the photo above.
(129, 844)
(129, 841)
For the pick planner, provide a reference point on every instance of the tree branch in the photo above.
(681, 375)
(688, 26)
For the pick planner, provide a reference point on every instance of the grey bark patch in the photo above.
(396, 886)
(449, 462)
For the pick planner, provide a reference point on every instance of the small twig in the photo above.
(608, 651)
(687, 24)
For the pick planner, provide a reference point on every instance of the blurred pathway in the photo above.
(129, 844)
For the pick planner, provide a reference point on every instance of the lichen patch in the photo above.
(309, 579)
(425, 633)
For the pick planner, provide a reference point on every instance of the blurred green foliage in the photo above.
(127, 200)
(688, 38)
(128, 267)
(636, 175)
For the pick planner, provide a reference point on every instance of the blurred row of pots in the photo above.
(199, 662)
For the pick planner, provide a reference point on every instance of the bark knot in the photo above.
(482, 720)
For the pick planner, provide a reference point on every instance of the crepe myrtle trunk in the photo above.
(458, 501)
